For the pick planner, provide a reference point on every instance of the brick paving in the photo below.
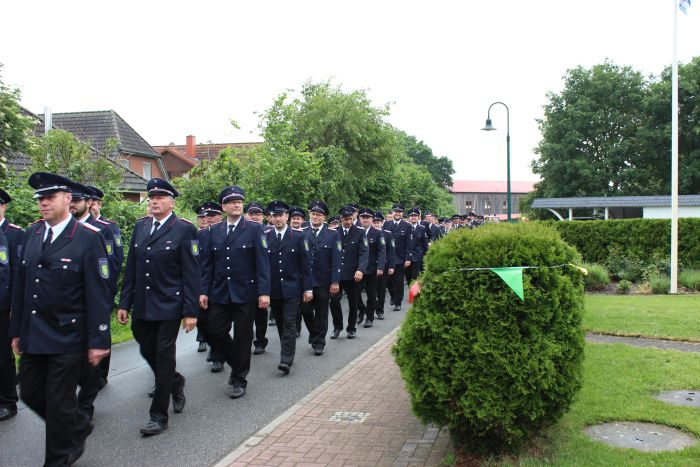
(360, 417)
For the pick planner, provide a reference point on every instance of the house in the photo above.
(622, 207)
(133, 186)
(489, 198)
(97, 127)
(180, 159)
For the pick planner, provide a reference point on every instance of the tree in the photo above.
(15, 126)
(440, 168)
(205, 182)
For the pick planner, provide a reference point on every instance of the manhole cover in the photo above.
(349, 417)
(686, 398)
(640, 436)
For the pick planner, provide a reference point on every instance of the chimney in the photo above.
(191, 148)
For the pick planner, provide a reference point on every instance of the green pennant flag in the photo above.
(513, 277)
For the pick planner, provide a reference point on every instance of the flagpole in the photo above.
(674, 154)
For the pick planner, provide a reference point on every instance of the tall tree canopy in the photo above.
(440, 168)
(15, 126)
(608, 133)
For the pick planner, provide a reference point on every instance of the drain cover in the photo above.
(640, 436)
(349, 417)
(685, 398)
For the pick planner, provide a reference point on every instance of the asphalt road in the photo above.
(212, 424)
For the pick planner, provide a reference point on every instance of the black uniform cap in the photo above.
(4, 197)
(95, 193)
(366, 212)
(254, 207)
(378, 216)
(230, 193)
(397, 207)
(297, 211)
(277, 207)
(319, 207)
(158, 186)
(346, 211)
(45, 183)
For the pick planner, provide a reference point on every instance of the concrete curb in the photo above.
(254, 440)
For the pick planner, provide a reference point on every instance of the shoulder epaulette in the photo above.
(101, 222)
(215, 223)
(185, 220)
(110, 221)
(38, 220)
(298, 230)
(144, 217)
(387, 230)
(14, 226)
(89, 226)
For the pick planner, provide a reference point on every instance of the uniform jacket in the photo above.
(118, 245)
(402, 234)
(11, 241)
(417, 244)
(390, 255)
(290, 266)
(326, 250)
(428, 232)
(435, 232)
(236, 269)
(62, 302)
(110, 243)
(162, 274)
(354, 255)
(376, 250)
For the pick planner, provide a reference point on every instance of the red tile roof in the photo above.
(178, 154)
(205, 151)
(473, 186)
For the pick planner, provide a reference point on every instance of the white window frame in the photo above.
(150, 171)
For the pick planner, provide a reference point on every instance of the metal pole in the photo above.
(508, 159)
(674, 154)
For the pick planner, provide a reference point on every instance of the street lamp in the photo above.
(489, 127)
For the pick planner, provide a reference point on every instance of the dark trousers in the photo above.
(285, 313)
(157, 345)
(370, 285)
(397, 285)
(351, 289)
(316, 317)
(236, 351)
(8, 375)
(382, 282)
(90, 384)
(203, 331)
(260, 328)
(47, 385)
(413, 271)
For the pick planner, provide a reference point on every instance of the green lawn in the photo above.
(120, 333)
(662, 316)
(620, 382)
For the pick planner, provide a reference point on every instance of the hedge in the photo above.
(643, 239)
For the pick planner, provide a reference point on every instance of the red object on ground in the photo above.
(413, 291)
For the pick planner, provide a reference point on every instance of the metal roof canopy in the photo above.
(614, 202)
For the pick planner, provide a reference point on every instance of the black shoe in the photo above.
(352, 334)
(397, 307)
(298, 334)
(335, 333)
(7, 413)
(154, 428)
(272, 322)
(360, 318)
(152, 392)
(209, 356)
(284, 368)
(77, 454)
(179, 397)
(237, 391)
(368, 324)
(380, 316)
(318, 351)
(217, 367)
(202, 347)
(103, 382)
(258, 350)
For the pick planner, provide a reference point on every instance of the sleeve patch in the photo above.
(306, 244)
(110, 247)
(195, 247)
(103, 267)
(263, 240)
(339, 246)
(4, 255)
(365, 241)
(382, 241)
(118, 240)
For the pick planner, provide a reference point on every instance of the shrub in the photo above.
(476, 358)
(690, 279)
(659, 284)
(597, 279)
(624, 287)
(626, 268)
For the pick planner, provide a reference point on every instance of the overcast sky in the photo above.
(177, 68)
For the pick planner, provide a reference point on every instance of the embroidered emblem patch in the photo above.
(365, 241)
(4, 258)
(306, 244)
(195, 247)
(339, 246)
(263, 239)
(103, 267)
(382, 241)
(118, 240)
(110, 247)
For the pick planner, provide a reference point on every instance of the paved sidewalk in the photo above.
(360, 417)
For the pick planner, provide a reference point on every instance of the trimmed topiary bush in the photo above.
(493, 368)
(597, 279)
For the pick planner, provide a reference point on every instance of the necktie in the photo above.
(345, 231)
(279, 237)
(231, 228)
(47, 242)
(315, 232)
(156, 224)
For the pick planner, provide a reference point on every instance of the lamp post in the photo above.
(489, 127)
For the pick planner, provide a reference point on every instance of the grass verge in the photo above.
(120, 333)
(659, 316)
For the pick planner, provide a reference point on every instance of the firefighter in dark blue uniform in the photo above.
(11, 241)
(326, 249)
(290, 279)
(161, 288)
(382, 280)
(236, 280)
(353, 265)
(61, 308)
(255, 212)
(416, 247)
(96, 196)
(376, 261)
(401, 231)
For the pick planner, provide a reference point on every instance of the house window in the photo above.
(125, 163)
(487, 204)
(468, 205)
(147, 170)
(505, 204)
